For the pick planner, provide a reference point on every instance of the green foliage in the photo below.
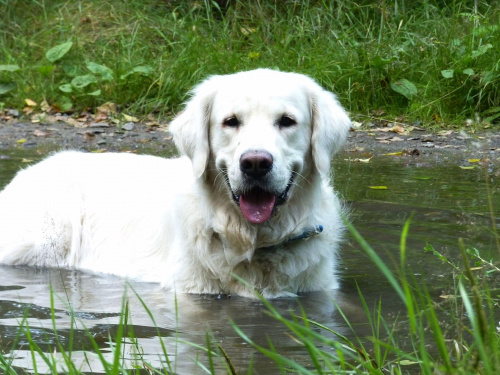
(418, 59)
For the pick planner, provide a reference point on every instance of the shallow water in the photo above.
(444, 202)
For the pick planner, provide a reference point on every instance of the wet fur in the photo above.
(173, 221)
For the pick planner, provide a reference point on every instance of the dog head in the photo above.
(260, 127)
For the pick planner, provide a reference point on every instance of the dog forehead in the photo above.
(263, 92)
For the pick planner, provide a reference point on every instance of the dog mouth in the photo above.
(257, 204)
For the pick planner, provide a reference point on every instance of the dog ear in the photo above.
(329, 130)
(190, 128)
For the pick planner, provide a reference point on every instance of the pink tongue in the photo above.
(257, 205)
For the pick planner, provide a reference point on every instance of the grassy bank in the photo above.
(433, 61)
(459, 334)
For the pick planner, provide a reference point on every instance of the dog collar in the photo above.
(306, 234)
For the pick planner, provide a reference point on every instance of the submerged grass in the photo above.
(430, 60)
(457, 335)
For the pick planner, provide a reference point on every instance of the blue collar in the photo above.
(306, 234)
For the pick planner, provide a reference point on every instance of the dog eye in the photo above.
(232, 122)
(286, 121)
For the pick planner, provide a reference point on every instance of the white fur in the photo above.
(174, 221)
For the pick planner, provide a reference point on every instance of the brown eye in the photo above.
(232, 122)
(286, 121)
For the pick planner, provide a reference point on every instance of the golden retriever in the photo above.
(251, 196)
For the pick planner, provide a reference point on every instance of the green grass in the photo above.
(456, 335)
(434, 61)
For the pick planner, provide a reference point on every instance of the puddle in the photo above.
(443, 201)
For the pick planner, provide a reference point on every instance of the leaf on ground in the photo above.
(45, 106)
(378, 187)
(462, 167)
(130, 118)
(473, 160)
(358, 160)
(398, 129)
(30, 103)
(107, 108)
(443, 133)
(26, 161)
(39, 133)
(71, 121)
(21, 141)
(396, 139)
(393, 153)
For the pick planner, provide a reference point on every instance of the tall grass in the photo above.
(458, 335)
(429, 60)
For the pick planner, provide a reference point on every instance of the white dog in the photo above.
(252, 198)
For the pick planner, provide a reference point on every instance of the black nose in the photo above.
(256, 163)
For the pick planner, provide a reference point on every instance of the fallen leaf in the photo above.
(71, 121)
(396, 139)
(473, 160)
(356, 124)
(471, 167)
(397, 129)
(378, 187)
(385, 130)
(45, 106)
(359, 160)
(28, 110)
(26, 161)
(21, 141)
(38, 117)
(444, 132)
(130, 118)
(30, 103)
(108, 108)
(447, 296)
(39, 133)
(169, 138)
(393, 153)
(356, 149)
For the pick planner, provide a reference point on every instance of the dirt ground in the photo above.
(362, 142)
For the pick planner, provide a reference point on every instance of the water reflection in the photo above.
(443, 201)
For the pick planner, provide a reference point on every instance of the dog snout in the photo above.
(256, 163)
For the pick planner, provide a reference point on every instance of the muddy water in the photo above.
(444, 202)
